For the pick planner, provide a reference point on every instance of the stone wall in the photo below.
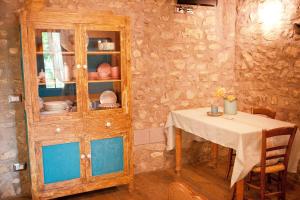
(268, 58)
(12, 127)
(177, 62)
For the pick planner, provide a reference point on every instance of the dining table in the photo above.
(241, 132)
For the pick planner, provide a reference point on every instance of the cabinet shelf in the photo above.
(103, 52)
(65, 82)
(62, 52)
(104, 81)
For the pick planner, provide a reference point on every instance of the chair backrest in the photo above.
(285, 149)
(264, 111)
(180, 191)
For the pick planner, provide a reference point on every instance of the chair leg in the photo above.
(269, 179)
(279, 185)
(283, 182)
(262, 187)
(269, 182)
(229, 164)
(250, 180)
(233, 192)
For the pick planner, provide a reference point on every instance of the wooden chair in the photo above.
(263, 111)
(279, 168)
(180, 191)
(256, 111)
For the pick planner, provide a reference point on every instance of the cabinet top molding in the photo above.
(33, 6)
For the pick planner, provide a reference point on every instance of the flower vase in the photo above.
(230, 107)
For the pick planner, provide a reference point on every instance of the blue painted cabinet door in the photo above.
(61, 162)
(107, 156)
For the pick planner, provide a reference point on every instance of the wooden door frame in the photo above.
(126, 171)
(125, 83)
(39, 161)
(37, 117)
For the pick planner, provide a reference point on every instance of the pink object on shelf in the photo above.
(115, 72)
(93, 76)
(104, 71)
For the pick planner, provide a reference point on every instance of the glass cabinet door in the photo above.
(56, 70)
(103, 69)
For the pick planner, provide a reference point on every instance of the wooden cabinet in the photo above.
(77, 97)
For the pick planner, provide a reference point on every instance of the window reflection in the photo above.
(56, 75)
(53, 60)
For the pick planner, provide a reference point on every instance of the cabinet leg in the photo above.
(34, 195)
(131, 186)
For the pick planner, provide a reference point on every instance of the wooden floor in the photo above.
(154, 185)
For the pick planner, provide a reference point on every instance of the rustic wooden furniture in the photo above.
(82, 147)
(239, 132)
(260, 111)
(238, 190)
(264, 111)
(180, 191)
(280, 167)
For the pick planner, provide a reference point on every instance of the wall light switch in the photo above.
(14, 98)
(19, 166)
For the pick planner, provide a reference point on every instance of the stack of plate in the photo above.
(55, 106)
(108, 99)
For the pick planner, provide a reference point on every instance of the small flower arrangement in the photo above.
(221, 92)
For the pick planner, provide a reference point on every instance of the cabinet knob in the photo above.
(89, 156)
(84, 66)
(78, 66)
(108, 124)
(82, 156)
(57, 130)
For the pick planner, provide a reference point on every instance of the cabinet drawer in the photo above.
(105, 124)
(64, 128)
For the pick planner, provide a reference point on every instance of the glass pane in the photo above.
(104, 69)
(56, 71)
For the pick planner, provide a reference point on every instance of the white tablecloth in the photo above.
(241, 132)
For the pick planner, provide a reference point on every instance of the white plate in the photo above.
(109, 105)
(53, 112)
(108, 97)
(55, 105)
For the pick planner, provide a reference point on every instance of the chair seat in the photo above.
(271, 168)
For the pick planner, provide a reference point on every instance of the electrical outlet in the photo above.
(184, 9)
(179, 9)
(189, 11)
(14, 98)
(19, 166)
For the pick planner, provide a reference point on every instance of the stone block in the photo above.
(141, 137)
(157, 135)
